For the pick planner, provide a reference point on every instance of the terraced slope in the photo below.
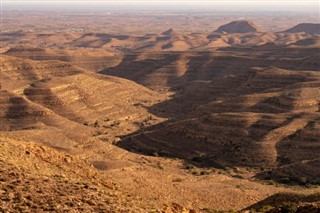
(173, 70)
(252, 125)
(87, 58)
(61, 95)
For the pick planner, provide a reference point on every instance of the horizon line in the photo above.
(159, 1)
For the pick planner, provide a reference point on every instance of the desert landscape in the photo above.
(159, 111)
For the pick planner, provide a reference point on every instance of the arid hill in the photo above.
(171, 32)
(310, 28)
(87, 58)
(242, 26)
(237, 33)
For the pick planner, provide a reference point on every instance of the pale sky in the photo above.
(277, 5)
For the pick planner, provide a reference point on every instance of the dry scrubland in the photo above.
(165, 122)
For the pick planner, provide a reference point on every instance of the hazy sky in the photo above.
(276, 5)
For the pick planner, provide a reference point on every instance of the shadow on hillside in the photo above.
(287, 202)
(202, 84)
(298, 162)
(140, 71)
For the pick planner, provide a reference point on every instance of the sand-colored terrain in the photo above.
(162, 122)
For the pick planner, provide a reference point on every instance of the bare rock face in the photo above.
(242, 26)
(311, 28)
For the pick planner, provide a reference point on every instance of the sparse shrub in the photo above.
(163, 153)
(149, 118)
(190, 166)
(265, 208)
(289, 208)
(292, 209)
(272, 182)
(159, 166)
(85, 123)
(238, 176)
(177, 180)
(197, 159)
(204, 173)
(227, 169)
(115, 123)
(97, 133)
(96, 124)
(303, 180)
(316, 182)
(194, 173)
(285, 180)
(140, 124)
(312, 124)
(207, 210)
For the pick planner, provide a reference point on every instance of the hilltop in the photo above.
(311, 28)
(242, 26)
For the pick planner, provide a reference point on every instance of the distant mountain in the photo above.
(242, 26)
(311, 28)
(171, 32)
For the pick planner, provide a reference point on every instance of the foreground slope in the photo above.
(37, 178)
